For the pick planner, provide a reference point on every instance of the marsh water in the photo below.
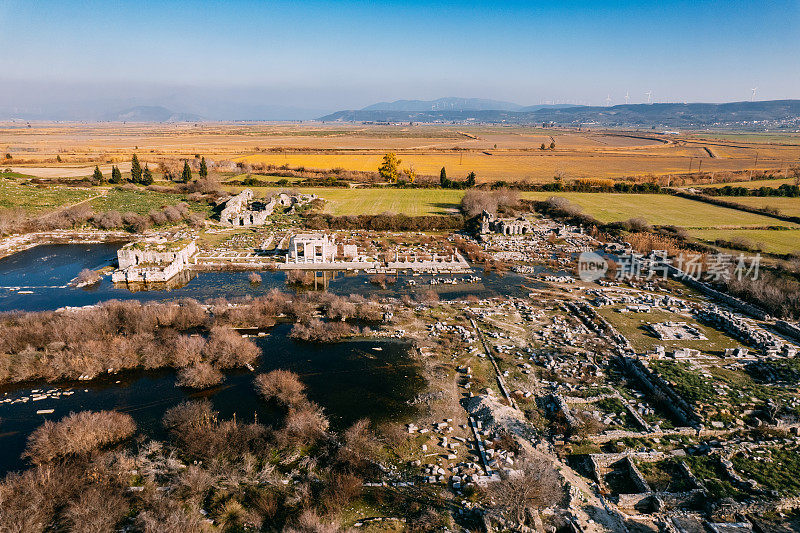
(37, 280)
(351, 380)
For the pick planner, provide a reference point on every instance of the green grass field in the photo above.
(786, 206)
(658, 209)
(632, 326)
(142, 202)
(39, 199)
(413, 202)
(772, 241)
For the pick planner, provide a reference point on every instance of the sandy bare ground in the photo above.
(67, 172)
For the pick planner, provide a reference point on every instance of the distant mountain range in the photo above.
(146, 113)
(195, 105)
(675, 115)
(455, 104)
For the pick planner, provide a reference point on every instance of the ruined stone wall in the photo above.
(793, 330)
(658, 387)
(131, 257)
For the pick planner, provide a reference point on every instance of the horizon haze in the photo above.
(289, 61)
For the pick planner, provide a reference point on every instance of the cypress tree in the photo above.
(443, 181)
(147, 176)
(98, 176)
(203, 168)
(116, 175)
(186, 175)
(471, 179)
(136, 170)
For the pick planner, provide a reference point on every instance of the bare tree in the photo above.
(535, 485)
(281, 385)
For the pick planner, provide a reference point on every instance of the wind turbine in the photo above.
(627, 97)
(608, 101)
(753, 96)
(649, 96)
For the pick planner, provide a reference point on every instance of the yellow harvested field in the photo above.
(511, 165)
(660, 209)
(508, 153)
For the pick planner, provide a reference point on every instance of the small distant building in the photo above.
(311, 248)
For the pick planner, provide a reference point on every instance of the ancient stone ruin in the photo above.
(504, 226)
(244, 210)
(153, 261)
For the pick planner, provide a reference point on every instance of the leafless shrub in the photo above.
(319, 331)
(341, 490)
(108, 220)
(208, 185)
(534, 485)
(135, 222)
(310, 522)
(159, 218)
(196, 220)
(305, 424)
(193, 484)
(379, 279)
(28, 499)
(11, 220)
(283, 386)
(476, 201)
(187, 350)
(78, 433)
(359, 448)
(96, 511)
(166, 515)
(562, 206)
(87, 277)
(254, 278)
(190, 417)
(299, 277)
(638, 224)
(227, 349)
(199, 376)
(173, 213)
(340, 309)
(203, 436)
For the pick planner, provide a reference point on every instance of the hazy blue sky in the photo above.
(349, 54)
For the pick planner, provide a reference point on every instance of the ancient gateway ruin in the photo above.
(311, 248)
(244, 210)
(504, 226)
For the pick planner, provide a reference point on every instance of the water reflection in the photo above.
(351, 380)
(36, 280)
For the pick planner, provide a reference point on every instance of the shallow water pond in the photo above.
(37, 279)
(351, 380)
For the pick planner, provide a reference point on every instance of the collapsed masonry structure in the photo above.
(244, 210)
(320, 251)
(504, 226)
(153, 261)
